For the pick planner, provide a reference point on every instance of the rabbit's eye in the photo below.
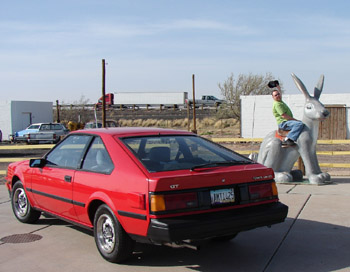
(309, 106)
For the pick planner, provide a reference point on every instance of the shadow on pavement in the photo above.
(303, 246)
(309, 246)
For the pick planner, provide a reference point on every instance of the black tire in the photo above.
(113, 243)
(21, 206)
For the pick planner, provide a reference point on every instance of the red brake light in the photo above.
(163, 203)
(259, 191)
(180, 201)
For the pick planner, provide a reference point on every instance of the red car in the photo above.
(158, 186)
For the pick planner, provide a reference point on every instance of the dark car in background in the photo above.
(98, 124)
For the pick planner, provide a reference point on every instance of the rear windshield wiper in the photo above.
(219, 163)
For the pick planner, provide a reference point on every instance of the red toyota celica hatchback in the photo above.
(149, 185)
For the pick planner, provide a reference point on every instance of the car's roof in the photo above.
(133, 131)
(35, 124)
(98, 121)
(48, 123)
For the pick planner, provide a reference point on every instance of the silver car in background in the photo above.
(41, 132)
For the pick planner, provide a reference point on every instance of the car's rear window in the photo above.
(166, 153)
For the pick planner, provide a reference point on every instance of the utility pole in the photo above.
(188, 117)
(103, 93)
(194, 106)
(57, 112)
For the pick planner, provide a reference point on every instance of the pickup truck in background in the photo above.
(206, 100)
(42, 137)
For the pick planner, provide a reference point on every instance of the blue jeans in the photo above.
(294, 127)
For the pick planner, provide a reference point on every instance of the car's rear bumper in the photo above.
(202, 226)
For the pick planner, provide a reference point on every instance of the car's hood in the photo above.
(26, 131)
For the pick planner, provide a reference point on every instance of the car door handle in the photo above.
(68, 178)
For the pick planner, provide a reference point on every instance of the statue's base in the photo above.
(305, 182)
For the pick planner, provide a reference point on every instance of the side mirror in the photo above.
(37, 163)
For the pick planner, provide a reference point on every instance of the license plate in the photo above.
(222, 196)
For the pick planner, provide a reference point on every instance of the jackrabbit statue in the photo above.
(282, 159)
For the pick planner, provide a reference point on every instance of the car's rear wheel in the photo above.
(21, 206)
(112, 241)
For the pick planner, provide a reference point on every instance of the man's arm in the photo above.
(287, 117)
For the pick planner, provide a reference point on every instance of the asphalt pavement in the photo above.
(315, 237)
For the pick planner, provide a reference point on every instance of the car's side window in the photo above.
(97, 158)
(33, 127)
(56, 127)
(45, 127)
(69, 153)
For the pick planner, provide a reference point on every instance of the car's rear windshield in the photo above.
(179, 152)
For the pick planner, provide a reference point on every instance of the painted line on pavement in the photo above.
(20, 147)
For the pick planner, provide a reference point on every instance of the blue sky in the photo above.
(53, 50)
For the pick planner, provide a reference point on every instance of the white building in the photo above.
(17, 115)
(257, 119)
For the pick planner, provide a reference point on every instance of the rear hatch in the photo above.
(210, 189)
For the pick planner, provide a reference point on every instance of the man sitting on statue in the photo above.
(284, 116)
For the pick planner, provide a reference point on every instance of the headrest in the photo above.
(160, 153)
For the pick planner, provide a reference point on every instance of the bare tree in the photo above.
(233, 88)
(77, 112)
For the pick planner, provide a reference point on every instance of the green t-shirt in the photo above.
(279, 107)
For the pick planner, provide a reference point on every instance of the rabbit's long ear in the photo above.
(300, 86)
(319, 87)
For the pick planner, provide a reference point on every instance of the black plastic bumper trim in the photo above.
(133, 215)
(202, 226)
(59, 198)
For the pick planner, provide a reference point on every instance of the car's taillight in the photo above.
(263, 191)
(170, 202)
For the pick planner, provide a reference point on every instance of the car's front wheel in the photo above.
(21, 206)
(113, 243)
